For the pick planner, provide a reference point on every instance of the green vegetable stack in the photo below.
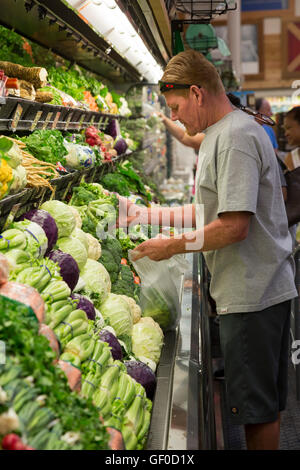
(47, 411)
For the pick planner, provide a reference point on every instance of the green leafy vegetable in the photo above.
(46, 145)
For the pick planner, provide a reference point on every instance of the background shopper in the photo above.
(292, 133)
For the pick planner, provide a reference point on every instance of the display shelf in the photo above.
(58, 27)
(18, 114)
(13, 206)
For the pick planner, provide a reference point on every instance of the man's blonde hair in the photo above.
(191, 67)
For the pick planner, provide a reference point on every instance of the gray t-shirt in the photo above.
(237, 171)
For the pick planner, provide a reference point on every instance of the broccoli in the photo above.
(81, 196)
(125, 283)
(108, 261)
(113, 245)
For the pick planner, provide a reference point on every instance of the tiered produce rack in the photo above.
(56, 26)
(17, 114)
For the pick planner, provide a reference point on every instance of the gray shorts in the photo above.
(255, 347)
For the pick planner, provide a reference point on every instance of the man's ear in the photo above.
(197, 93)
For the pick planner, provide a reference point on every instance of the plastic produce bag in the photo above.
(79, 156)
(26, 295)
(160, 288)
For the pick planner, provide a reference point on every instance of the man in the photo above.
(263, 107)
(245, 240)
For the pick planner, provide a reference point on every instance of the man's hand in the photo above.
(128, 212)
(156, 249)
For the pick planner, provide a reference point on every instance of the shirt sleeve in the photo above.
(272, 136)
(238, 177)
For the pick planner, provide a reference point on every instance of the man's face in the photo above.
(266, 108)
(186, 110)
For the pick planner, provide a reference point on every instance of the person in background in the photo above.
(292, 133)
(243, 234)
(263, 106)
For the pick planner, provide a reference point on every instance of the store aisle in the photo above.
(234, 438)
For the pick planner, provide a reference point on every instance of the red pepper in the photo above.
(91, 141)
(12, 83)
(91, 132)
(18, 446)
(136, 280)
(9, 441)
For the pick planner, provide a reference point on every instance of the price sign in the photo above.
(82, 119)
(11, 215)
(68, 121)
(54, 124)
(47, 120)
(16, 117)
(36, 120)
(67, 189)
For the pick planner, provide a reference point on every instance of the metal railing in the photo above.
(295, 317)
(201, 429)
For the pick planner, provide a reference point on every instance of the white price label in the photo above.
(68, 121)
(16, 117)
(36, 120)
(47, 120)
(56, 120)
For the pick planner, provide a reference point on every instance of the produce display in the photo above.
(91, 308)
(81, 355)
(62, 85)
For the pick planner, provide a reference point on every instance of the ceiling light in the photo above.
(108, 19)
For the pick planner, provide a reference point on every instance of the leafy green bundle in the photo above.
(46, 145)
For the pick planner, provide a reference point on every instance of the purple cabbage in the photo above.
(46, 221)
(113, 128)
(69, 270)
(109, 338)
(143, 374)
(120, 145)
(85, 305)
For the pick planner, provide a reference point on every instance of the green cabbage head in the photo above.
(147, 339)
(117, 312)
(63, 216)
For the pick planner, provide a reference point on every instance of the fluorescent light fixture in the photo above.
(108, 19)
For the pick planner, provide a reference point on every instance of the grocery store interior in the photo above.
(84, 331)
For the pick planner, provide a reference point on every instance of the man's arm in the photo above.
(229, 228)
(180, 134)
(132, 214)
